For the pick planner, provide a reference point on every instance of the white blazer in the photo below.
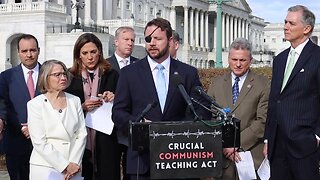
(56, 142)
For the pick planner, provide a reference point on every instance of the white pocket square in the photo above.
(302, 70)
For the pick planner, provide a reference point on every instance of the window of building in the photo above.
(284, 40)
(128, 5)
(139, 8)
(151, 10)
(273, 40)
(17, 1)
(118, 4)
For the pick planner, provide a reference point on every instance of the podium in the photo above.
(180, 149)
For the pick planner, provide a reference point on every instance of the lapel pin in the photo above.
(302, 70)
(249, 86)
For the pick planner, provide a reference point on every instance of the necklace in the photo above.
(60, 110)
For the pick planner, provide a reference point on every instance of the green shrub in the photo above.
(206, 75)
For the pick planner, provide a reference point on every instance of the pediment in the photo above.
(240, 4)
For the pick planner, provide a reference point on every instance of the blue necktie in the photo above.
(161, 86)
(235, 90)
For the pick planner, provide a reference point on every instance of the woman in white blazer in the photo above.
(56, 126)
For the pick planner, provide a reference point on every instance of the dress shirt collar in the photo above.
(300, 47)
(165, 63)
(119, 59)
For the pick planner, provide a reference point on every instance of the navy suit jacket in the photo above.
(296, 110)
(14, 93)
(115, 65)
(136, 89)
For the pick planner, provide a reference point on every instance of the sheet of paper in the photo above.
(245, 167)
(264, 170)
(100, 118)
(54, 175)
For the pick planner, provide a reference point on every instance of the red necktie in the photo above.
(30, 84)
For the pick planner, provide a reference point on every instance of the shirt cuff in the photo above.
(318, 138)
(265, 141)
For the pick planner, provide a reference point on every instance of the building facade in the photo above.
(52, 22)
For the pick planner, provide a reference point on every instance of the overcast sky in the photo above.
(275, 11)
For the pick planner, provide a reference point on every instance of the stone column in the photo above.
(99, 11)
(227, 31)
(201, 29)
(232, 32)
(206, 22)
(223, 25)
(173, 17)
(87, 13)
(236, 28)
(215, 33)
(186, 28)
(197, 27)
(191, 28)
(239, 27)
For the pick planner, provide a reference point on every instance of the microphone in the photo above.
(177, 80)
(200, 91)
(145, 111)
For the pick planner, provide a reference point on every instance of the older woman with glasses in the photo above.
(56, 125)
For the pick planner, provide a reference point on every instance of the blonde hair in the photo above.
(46, 69)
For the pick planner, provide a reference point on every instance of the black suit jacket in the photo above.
(296, 110)
(115, 65)
(108, 83)
(15, 95)
(136, 89)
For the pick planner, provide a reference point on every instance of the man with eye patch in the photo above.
(17, 87)
(150, 81)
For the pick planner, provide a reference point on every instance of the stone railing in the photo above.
(32, 6)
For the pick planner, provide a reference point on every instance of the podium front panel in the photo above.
(185, 150)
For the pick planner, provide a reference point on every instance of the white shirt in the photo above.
(119, 59)
(241, 81)
(35, 74)
(166, 65)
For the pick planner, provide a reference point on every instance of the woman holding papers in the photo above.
(95, 81)
(56, 126)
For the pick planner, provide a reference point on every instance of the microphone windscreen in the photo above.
(176, 79)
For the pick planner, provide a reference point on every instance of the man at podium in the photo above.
(154, 80)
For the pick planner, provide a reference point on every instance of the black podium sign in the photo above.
(185, 150)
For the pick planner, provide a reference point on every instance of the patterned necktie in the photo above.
(235, 90)
(161, 86)
(124, 62)
(30, 84)
(289, 69)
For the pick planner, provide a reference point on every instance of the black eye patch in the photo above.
(149, 38)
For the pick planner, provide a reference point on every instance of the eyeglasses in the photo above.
(58, 74)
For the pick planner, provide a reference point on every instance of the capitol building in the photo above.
(58, 23)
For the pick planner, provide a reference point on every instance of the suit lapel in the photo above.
(172, 87)
(246, 87)
(21, 83)
(146, 77)
(227, 89)
(303, 58)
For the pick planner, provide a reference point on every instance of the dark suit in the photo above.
(14, 92)
(106, 145)
(294, 117)
(136, 89)
(250, 108)
(114, 62)
(122, 140)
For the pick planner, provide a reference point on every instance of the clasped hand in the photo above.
(71, 170)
